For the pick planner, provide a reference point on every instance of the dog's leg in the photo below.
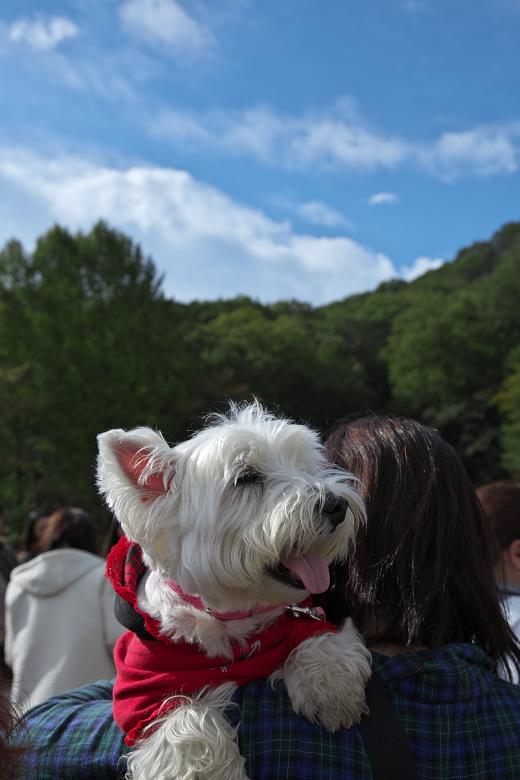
(193, 742)
(326, 676)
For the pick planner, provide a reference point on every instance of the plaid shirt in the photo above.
(461, 721)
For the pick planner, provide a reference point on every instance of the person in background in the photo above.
(501, 504)
(34, 531)
(419, 583)
(60, 625)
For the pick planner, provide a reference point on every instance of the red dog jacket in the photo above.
(151, 670)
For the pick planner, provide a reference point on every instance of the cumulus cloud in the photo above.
(42, 33)
(339, 138)
(421, 266)
(208, 244)
(380, 198)
(165, 23)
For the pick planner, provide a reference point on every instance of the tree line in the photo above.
(89, 341)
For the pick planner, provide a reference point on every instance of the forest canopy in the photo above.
(88, 341)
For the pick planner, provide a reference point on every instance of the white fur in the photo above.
(181, 621)
(218, 539)
(326, 677)
(194, 741)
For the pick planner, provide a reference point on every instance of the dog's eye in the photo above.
(249, 477)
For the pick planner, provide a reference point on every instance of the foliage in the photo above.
(89, 342)
(509, 402)
(82, 323)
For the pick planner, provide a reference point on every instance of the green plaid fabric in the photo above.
(73, 737)
(462, 723)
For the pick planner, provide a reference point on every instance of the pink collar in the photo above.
(196, 601)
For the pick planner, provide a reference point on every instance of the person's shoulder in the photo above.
(78, 711)
(87, 562)
(93, 693)
(72, 731)
(83, 554)
(296, 747)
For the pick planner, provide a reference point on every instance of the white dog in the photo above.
(235, 526)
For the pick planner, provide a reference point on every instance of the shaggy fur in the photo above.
(217, 514)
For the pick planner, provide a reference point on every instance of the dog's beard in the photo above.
(254, 558)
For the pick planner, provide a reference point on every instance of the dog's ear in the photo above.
(134, 461)
(139, 460)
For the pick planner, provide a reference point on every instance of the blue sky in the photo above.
(280, 149)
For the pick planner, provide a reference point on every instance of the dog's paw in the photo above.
(193, 742)
(326, 677)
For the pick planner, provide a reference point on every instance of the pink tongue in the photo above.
(311, 570)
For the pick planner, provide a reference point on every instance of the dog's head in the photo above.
(246, 512)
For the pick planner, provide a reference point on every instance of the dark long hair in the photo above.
(30, 539)
(70, 527)
(420, 571)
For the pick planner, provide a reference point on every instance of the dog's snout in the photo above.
(334, 508)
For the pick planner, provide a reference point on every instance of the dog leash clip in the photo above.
(316, 613)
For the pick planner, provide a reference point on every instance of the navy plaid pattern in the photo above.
(74, 737)
(462, 723)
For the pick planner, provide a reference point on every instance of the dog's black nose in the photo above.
(334, 508)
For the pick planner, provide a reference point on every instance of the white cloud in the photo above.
(421, 266)
(485, 151)
(339, 138)
(380, 198)
(42, 33)
(167, 24)
(328, 139)
(207, 244)
(317, 213)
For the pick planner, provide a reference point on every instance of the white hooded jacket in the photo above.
(60, 625)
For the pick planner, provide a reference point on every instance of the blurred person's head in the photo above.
(70, 527)
(420, 570)
(34, 530)
(501, 504)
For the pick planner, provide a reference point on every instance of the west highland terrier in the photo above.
(227, 535)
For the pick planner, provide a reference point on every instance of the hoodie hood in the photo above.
(52, 572)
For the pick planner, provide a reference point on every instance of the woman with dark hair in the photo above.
(70, 527)
(419, 584)
(420, 572)
(501, 504)
(60, 626)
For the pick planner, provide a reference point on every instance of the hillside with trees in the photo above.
(88, 341)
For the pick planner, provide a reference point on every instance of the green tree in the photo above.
(447, 353)
(87, 343)
(285, 356)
